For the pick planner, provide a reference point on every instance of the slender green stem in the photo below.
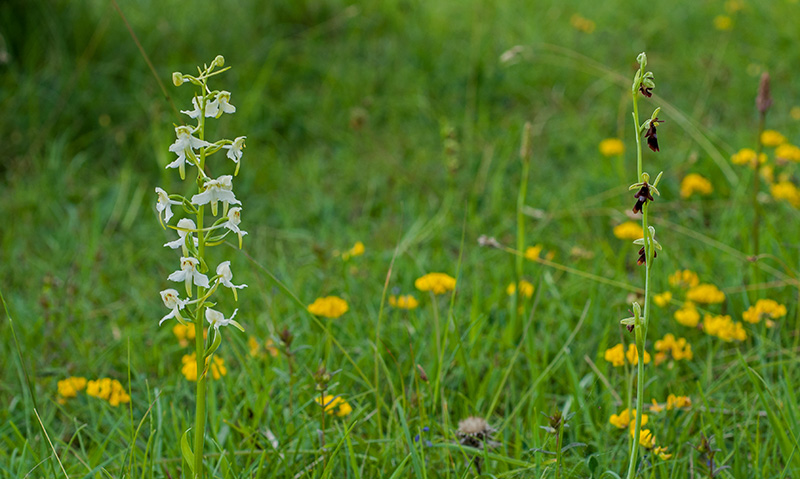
(200, 347)
(525, 156)
(637, 136)
(756, 187)
(559, 441)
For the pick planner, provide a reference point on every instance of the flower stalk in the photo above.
(194, 237)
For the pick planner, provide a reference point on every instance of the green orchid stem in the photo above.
(641, 326)
(199, 341)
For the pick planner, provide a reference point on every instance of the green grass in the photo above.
(86, 137)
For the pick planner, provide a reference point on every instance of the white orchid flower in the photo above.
(234, 218)
(225, 276)
(235, 151)
(189, 274)
(223, 99)
(185, 226)
(185, 143)
(196, 112)
(164, 205)
(172, 301)
(217, 319)
(217, 190)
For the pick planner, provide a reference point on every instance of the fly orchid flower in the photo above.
(235, 151)
(185, 226)
(217, 190)
(172, 301)
(185, 143)
(217, 319)
(225, 277)
(164, 205)
(189, 274)
(234, 218)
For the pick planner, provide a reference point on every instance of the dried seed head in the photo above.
(475, 432)
(763, 100)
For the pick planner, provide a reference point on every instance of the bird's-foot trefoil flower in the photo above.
(189, 274)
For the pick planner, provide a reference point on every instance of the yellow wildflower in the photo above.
(108, 389)
(669, 346)
(626, 418)
(687, 315)
(628, 230)
(330, 402)
(674, 402)
(786, 190)
(795, 112)
(694, 183)
(255, 348)
(772, 138)
(706, 294)
(723, 23)
(438, 283)
(612, 147)
(404, 301)
(185, 333)
(656, 407)
(646, 437)
(328, 307)
(724, 328)
(662, 299)
(582, 24)
(733, 6)
(70, 387)
(525, 288)
(189, 369)
(764, 309)
(615, 355)
(661, 452)
(747, 156)
(684, 279)
(633, 355)
(356, 250)
(533, 252)
(788, 152)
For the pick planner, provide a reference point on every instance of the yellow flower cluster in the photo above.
(581, 24)
(706, 294)
(723, 23)
(768, 309)
(438, 283)
(747, 156)
(684, 279)
(787, 191)
(668, 347)
(673, 402)
(628, 230)
(70, 387)
(694, 183)
(772, 138)
(357, 250)
(525, 288)
(108, 389)
(404, 301)
(788, 152)
(328, 307)
(330, 402)
(185, 333)
(256, 350)
(617, 355)
(189, 368)
(724, 328)
(662, 299)
(612, 147)
(687, 315)
(627, 419)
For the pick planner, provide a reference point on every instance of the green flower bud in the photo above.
(177, 79)
(642, 59)
(218, 61)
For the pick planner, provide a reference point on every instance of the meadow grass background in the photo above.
(351, 112)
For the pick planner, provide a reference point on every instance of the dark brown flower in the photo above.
(646, 91)
(642, 196)
(652, 137)
(643, 257)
